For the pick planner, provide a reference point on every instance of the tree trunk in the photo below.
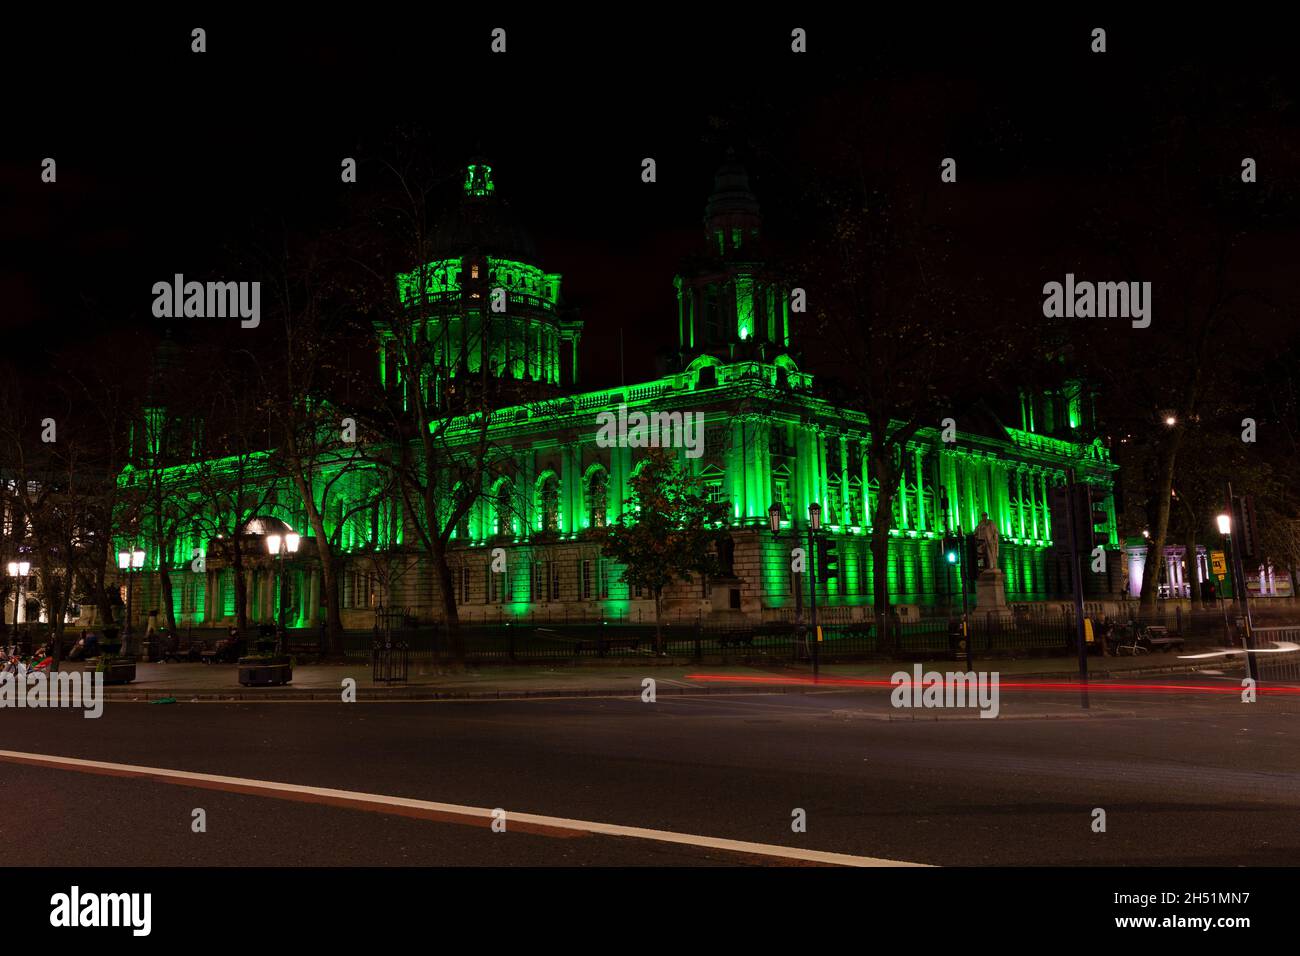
(328, 564)
(882, 518)
(1160, 533)
(165, 589)
(241, 596)
(1193, 571)
(450, 612)
(659, 628)
(329, 583)
(95, 586)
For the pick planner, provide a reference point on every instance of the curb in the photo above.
(383, 695)
(377, 694)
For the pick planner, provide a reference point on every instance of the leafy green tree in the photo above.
(669, 532)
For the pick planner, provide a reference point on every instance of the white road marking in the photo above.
(383, 802)
(1279, 647)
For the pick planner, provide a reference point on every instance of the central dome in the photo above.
(483, 223)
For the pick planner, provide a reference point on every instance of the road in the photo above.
(1185, 778)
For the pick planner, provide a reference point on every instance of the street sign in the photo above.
(1218, 563)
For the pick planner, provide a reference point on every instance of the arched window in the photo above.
(712, 480)
(548, 502)
(781, 489)
(503, 507)
(834, 503)
(597, 495)
(855, 502)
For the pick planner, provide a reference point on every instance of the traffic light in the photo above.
(828, 562)
(1090, 502)
(1084, 506)
(951, 549)
(1058, 508)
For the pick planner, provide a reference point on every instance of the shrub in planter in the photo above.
(265, 670)
(116, 670)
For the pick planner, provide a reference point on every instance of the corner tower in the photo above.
(730, 305)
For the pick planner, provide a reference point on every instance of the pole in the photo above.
(1239, 572)
(812, 588)
(16, 599)
(965, 613)
(279, 600)
(1077, 578)
(1223, 604)
(126, 636)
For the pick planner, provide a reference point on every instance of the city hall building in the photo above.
(766, 438)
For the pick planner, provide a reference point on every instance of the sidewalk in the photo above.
(324, 681)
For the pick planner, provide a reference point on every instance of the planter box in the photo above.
(119, 672)
(265, 672)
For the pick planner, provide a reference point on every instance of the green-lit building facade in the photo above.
(768, 438)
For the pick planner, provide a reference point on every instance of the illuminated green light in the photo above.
(744, 306)
(478, 180)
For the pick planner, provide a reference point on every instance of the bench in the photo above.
(1161, 640)
(603, 645)
(740, 637)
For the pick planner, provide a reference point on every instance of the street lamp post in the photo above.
(129, 562)
(277, 546)
(1225, 525)
(814, 529)
(1239, 585)
(18, 570)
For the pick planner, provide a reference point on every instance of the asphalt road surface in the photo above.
(1184, 778)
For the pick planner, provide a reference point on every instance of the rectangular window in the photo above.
(553, 574)
(603, 577)
(464, 585)
(498, 585)
(536, 582)
(584, 580)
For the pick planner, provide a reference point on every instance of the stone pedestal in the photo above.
(991, 591)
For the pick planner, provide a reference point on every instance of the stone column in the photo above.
(922, 519)
(846, 513)
(801, 493)
(570, 520)
(1043, 504)
(528, 492)
(866, 489)
(735, 469)
(1029, 504)
(1020, 499)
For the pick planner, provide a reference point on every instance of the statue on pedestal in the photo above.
(990, 587)
(986, 532)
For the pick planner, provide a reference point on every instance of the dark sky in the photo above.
(165, 157)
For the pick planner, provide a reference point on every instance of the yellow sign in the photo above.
(1218, 563)
(1087, 630)
(819, 633)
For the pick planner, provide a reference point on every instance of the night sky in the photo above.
(165, 156)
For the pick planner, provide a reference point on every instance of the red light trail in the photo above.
(1018, 685)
